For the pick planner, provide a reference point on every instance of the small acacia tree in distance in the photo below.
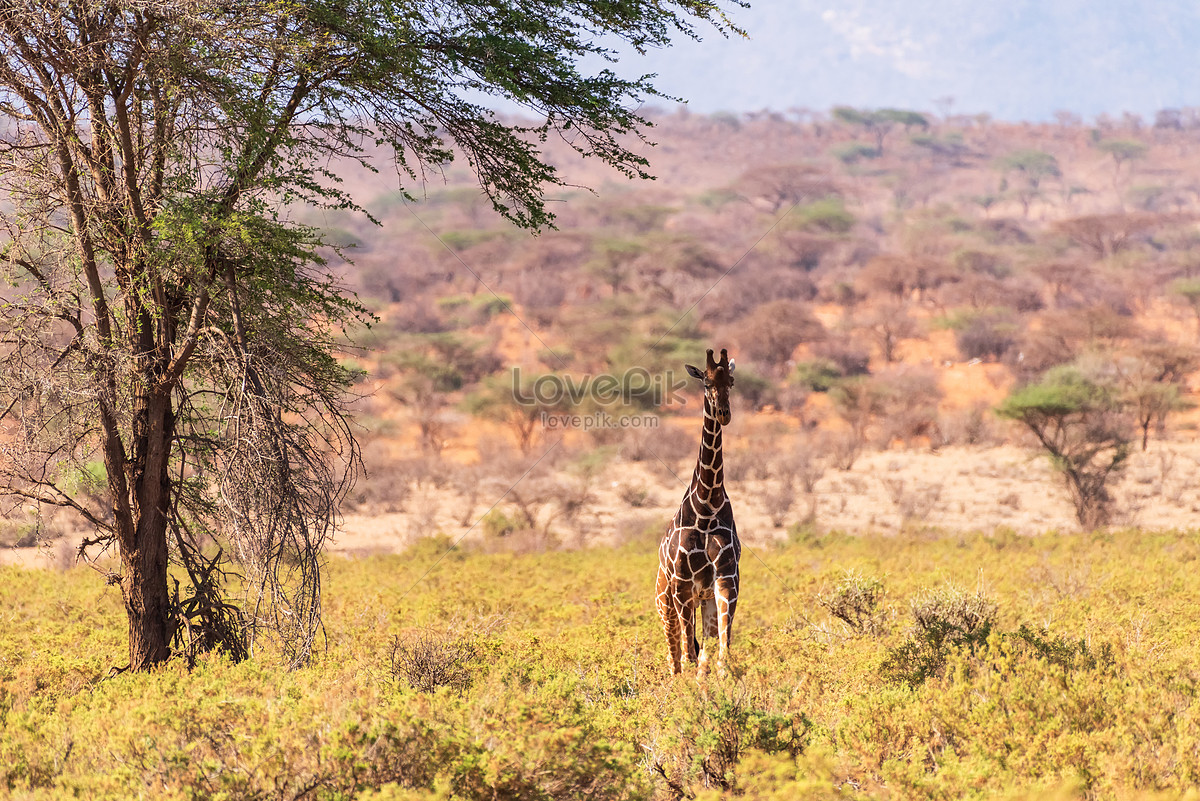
(1034, 166)
(171, 321)
(1084, 429)
(880, 122)
(1122, 151)
(1152, 378)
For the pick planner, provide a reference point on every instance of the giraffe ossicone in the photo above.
(698, 556)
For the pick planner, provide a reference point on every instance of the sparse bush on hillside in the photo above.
(887, 323)
(988, 337)
(858, 401)
(828, 216)
(639, 218)
(541, 296)
(497, 524)
(854, 152)
(387, 484)
(1105, 235)
(914, 501)
(819, 375)
(1060, 336)
(771, 332)
(908, 398)
(879, 122)
(803, 251)
(663, 449)
(425, 403)
(970, 426)
(844, 448)
(410, 317)
(779, 495)
(19, 533)
(763, 281)
(519, 408)
(612, 262)
(1187, 290)
(464, 311)
(676, 268)
(851, 357)
(467, 480)
(463, 240)
(754, 391)
(642, 531)
(780, 186)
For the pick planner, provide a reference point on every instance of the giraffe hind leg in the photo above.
(708, 620)
(670, 623)
(727, 596)
(708, 614)
(688, 642)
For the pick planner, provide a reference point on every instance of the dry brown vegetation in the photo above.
(879, 305)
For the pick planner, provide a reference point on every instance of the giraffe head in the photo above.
(718, 378)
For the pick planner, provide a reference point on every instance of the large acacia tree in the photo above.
(167, 333)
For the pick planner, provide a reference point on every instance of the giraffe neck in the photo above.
(708, 481)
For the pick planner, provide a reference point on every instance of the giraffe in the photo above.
(698, 555)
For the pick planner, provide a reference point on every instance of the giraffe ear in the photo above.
(731, 366)
(694, 372)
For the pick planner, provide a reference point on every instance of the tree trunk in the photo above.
(144, 585)
(144, 553)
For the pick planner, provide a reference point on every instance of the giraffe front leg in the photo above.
(670, 622)
(727, 594)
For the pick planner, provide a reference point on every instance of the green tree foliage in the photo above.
(173, 323)
(1152, 378)
(827, 216)
(854, 152)
(880, 122)
(1081, 423)
(613, 260)
(1122, 150)
(1034, 166)
(522, 401)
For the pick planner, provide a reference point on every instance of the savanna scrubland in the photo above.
(928, 611)
(995, 665)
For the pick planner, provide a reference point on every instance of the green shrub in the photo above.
(429, 660)
(854, 152)
(819, 375)
(856, 602)
(497, 524)
(828, 215)
(945, 619)
(1062, 652)
(709, 733)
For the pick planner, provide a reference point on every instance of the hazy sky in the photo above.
(1015, 59)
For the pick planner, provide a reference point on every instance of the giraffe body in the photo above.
(698, 555)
